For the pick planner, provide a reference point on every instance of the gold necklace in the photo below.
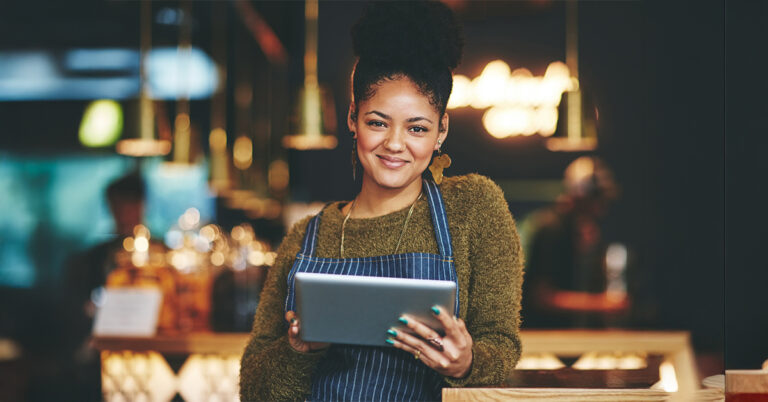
(402, 232)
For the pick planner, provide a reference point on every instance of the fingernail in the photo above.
(435, 310)
(403, 320)
(293, 321)
(390, 341)
(392, 332)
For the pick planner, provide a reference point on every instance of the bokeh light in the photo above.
(518, 102)
(242, 152)
(102, 124)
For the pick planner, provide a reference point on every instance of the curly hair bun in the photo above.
(409, 33)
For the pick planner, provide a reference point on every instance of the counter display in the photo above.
(613, 364)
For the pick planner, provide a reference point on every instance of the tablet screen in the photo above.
(359, 310)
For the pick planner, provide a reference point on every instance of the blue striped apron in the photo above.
(352, 372)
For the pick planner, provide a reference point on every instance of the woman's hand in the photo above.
(450, 355)
(293, 336)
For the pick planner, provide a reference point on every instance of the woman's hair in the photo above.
(420, 40)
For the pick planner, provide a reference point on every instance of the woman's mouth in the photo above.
(391, 161)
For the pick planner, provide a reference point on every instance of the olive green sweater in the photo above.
(488, 262)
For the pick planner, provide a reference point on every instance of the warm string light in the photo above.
(611, 361)
(587, 361)
(138, 246)
(242, 152)
(517, 102)
(668, 378)
(213, 247)
(188, 247)
(278, 175)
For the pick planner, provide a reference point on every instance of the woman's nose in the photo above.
(395, 141)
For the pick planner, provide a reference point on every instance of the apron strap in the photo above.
(310, 238)
(439, 218)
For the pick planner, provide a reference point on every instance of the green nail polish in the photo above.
(435, 310)
(392, 332)
(390, 341)
(293, 321)
(403, 320)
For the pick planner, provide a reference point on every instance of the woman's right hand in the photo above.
(294, 325)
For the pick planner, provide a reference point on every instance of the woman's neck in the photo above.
(375, 200)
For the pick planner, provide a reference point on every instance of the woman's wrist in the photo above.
(465, 373)
(308, 352)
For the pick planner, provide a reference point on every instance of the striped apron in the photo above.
(352, 372)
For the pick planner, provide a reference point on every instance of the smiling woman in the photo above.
(396, 134)
(401, 224)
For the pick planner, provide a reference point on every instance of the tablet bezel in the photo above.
(351, 309)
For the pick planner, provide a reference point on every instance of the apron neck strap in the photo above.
(436, 209)
(439, 218)
(310, 238)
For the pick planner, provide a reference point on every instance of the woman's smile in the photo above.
(392, 162)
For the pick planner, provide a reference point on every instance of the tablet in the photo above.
(359, 310)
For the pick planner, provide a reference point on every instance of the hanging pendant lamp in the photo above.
(581, 132)
(146, 144)
(315, 110)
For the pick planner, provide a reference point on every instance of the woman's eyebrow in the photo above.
(388, 117)
(417, 118)
(382, 115)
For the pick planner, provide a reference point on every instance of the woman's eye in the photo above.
(376, 123)
(419, 129)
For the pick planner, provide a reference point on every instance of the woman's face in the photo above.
(397, 129)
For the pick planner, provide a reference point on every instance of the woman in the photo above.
(460, 229)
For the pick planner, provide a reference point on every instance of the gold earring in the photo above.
(439, 162)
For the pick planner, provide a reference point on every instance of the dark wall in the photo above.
(746, 274)
(674, 159)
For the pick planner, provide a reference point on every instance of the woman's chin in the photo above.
(390, 181)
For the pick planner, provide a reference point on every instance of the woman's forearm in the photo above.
(272, 370)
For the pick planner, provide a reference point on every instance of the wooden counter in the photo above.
(575, 395)
(188, 356)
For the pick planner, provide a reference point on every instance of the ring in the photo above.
(437, 342)
(416, 356)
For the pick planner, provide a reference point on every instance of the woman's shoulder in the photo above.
(331, 214)
(477, 204)
(471, 189)
(296, 233)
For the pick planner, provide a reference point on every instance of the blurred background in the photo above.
(217, 124)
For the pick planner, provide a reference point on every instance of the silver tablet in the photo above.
(359, 310)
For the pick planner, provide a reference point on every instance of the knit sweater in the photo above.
(488, 261)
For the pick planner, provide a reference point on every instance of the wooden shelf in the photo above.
(182, 344)
(575, 342)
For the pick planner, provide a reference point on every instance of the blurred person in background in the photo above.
(567, 279)
(86, 276)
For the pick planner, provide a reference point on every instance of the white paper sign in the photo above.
(128, 312)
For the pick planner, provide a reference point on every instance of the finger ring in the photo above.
(437, 342)
(416, 356)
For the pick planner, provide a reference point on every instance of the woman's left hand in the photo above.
(449, 355)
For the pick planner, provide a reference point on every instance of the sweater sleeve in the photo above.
(270, 368)
(493, 307)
